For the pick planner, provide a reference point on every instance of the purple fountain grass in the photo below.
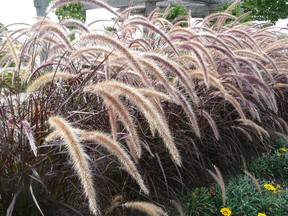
(29, 134)
(174, 68)
(79, 159)
(155, 14)
(275, 45)
(236, 105)
(142, 42)
(244, 132)
(156, 71)
(75, 23)
(233, 89)
(112, 122)
(80, 51)
(212, 123)
(217, 16)
(189, 112)
(213, 38)
(50, 28)
(176, 38)
(155, 29)
(127, 12)
(181, 19)
(201, 62)
(56, 47)
(154, 119)
(284, 123)
(219, 179)
(148, 73)
(206, 53)
(236, 21)
(216, 82)
(146, 207)
(221, 21)
(185, 32)
(155, 94)
(238, 32)
(226, 52)
(13, 50)
(252, 81)
(47, 77)
(260, 130)
(123, 114)
(232, 41)
(141, 79)
(260, 70)
(116, 149)
(162, 23)
(117, 45)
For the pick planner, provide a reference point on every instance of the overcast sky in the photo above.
(15, 11)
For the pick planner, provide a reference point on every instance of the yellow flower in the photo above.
(270, 187)
(279, 155)
(226, 211)
(282, 150)
(261, 214)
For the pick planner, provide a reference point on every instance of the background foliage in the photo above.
(261, 10)
(177, 12)
(72, 10)
(266, 10)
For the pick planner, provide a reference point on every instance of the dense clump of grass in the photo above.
(175, 100)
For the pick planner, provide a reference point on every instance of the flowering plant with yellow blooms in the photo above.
(226, 211)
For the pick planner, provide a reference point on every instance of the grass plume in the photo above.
(146, 207)
(113, 102)
(79, 158)
(46, 78)
(155, 120)
(117, 151)
(219, 179)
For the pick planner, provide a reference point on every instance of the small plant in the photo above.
(177, 13)
(70, 11)
(200, 202)
(242, 198)
(246, 195)
(270, 166)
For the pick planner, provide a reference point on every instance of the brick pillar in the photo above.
(149, 6)
(41, 6)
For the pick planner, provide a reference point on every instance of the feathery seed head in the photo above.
(79, 158)
(146, 207)
(47, 77)
(116, 149)
(154, 118)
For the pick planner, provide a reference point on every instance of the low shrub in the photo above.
(242, 197)
(267, 193)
